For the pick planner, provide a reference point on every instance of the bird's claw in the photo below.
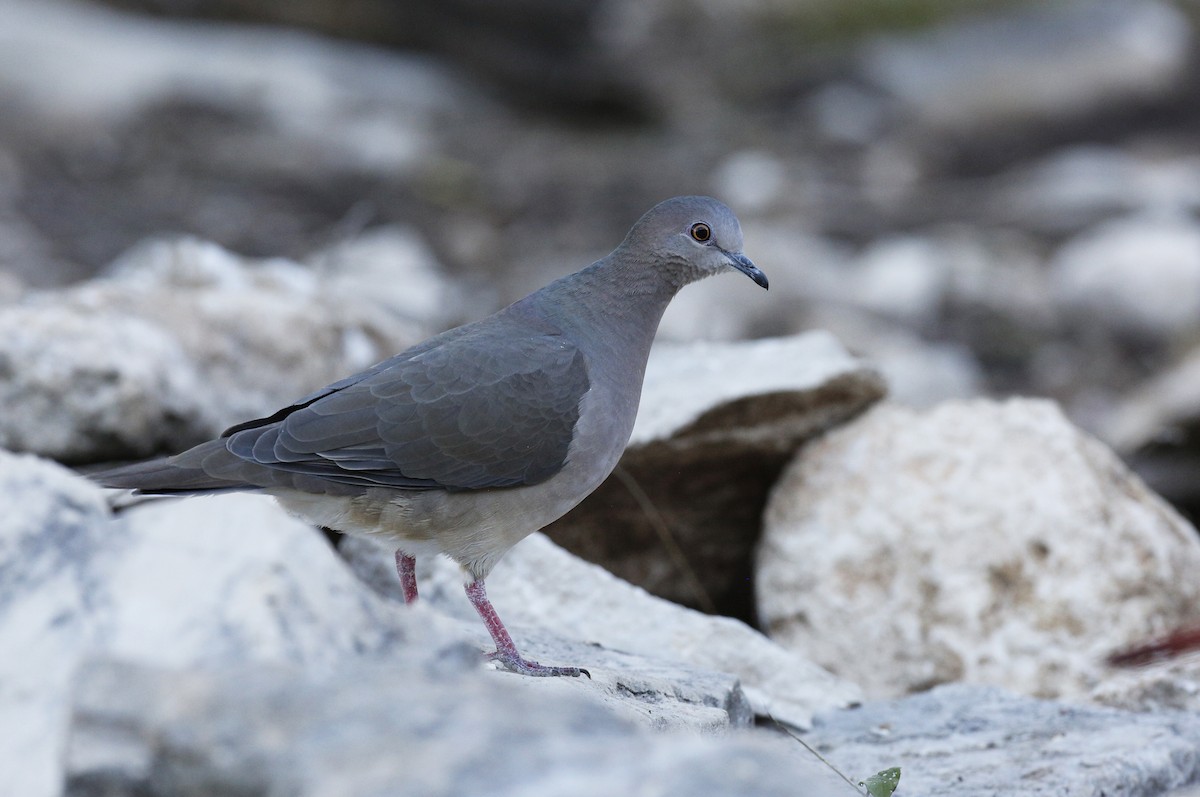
(524, 666)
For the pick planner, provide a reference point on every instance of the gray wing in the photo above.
(488, 405)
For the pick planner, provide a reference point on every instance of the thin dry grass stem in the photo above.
(667, 538)
(817, 755)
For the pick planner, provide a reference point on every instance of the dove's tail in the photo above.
(184, 474)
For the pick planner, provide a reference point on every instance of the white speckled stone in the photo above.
(977, 541)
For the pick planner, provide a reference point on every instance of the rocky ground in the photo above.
(839, 526)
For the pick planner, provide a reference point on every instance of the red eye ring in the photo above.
(701, 232)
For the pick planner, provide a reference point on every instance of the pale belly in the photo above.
(474, 528)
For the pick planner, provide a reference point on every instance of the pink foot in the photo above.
(406, 567)
(506, 652)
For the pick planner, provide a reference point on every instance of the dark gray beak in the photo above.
(747, 267)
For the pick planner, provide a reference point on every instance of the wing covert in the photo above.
(481, 409)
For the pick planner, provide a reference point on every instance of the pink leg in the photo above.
(506, 652)
(406, 567)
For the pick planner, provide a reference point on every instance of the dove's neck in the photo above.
(611, 311)
(613, 304)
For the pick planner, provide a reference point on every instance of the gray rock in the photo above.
(921, 374)
(1156, 427)
(1084, 185)
(183, 338)
(653, 691)
(400, 729)
(1161, 410)
(11, 286)
(847, 113)
(751, 180)
(971, 741)
(903, 278)
(1058, 63)
(1138, 275)
(394, 266)
(541, 586)
(290, 140)
(1158, 687)
(717, 422)
(977, 541)
(278, 145)
(314, 90)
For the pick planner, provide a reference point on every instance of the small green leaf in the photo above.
(882, 784)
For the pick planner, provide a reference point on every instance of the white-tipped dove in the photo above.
(468, 442)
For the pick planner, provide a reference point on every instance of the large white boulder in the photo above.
(977, 541)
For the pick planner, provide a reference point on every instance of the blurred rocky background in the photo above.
(983, 196)
(210, 207)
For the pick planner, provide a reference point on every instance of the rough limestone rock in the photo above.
(76, 382)
(184, 338)
(978, 541)
(397, 729)
(233, 581)
(51, 519)
(972, 741)
(717, 422)
(541, 586)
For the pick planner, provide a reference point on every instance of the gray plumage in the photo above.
(471, 440)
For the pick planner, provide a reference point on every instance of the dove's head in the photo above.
(697, 235)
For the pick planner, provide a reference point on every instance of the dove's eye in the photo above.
(701, 232)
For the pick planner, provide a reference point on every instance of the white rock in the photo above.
(903, 278)
(918, 372)
(232, 581)
(1139, 274)
(541, 585)
(345, 107)
(978, 541)
(685, 383)
(1058, 61)
(55, 520)
(395, 265)
(223, 580)
(74, 381)
(1084, 184)
(750, 180)
(921, 374)
(716, 425)
(1001, 273)
(181, 339)
(397, 729)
